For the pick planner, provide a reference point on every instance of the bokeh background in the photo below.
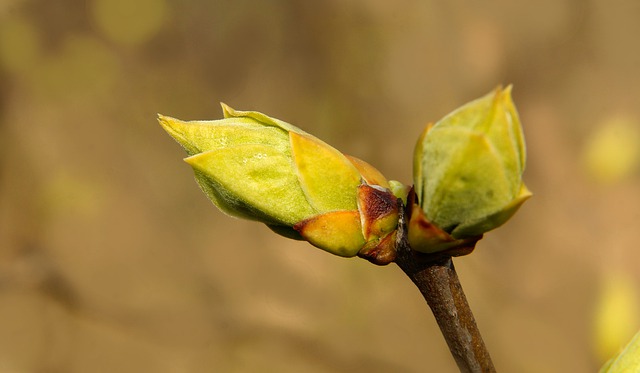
(112, 260)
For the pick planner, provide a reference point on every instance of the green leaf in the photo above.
(255, 177)
(327, 177)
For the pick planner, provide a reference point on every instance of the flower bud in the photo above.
(627, 360)
(255, 167)
(468, 172)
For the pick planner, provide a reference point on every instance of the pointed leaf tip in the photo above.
(227, 111)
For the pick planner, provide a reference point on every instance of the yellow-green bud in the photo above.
(256, 167)
(627, 361)
(468, 171)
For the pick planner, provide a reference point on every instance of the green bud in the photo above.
(468, 171)
(255, 167)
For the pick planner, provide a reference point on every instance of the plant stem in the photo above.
(437, 280)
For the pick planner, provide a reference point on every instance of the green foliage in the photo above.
(256, 167)
(468, 167)
(467, 172)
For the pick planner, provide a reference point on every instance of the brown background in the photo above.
(112, 260)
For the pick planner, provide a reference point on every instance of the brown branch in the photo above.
(438, 282)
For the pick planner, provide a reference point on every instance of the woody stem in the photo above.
(437, 280)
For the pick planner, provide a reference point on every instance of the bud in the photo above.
(627, 361)
(468, 173)
(255, 167)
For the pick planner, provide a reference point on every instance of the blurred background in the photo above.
(112, 260)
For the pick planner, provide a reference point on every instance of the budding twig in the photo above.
(437, 280)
